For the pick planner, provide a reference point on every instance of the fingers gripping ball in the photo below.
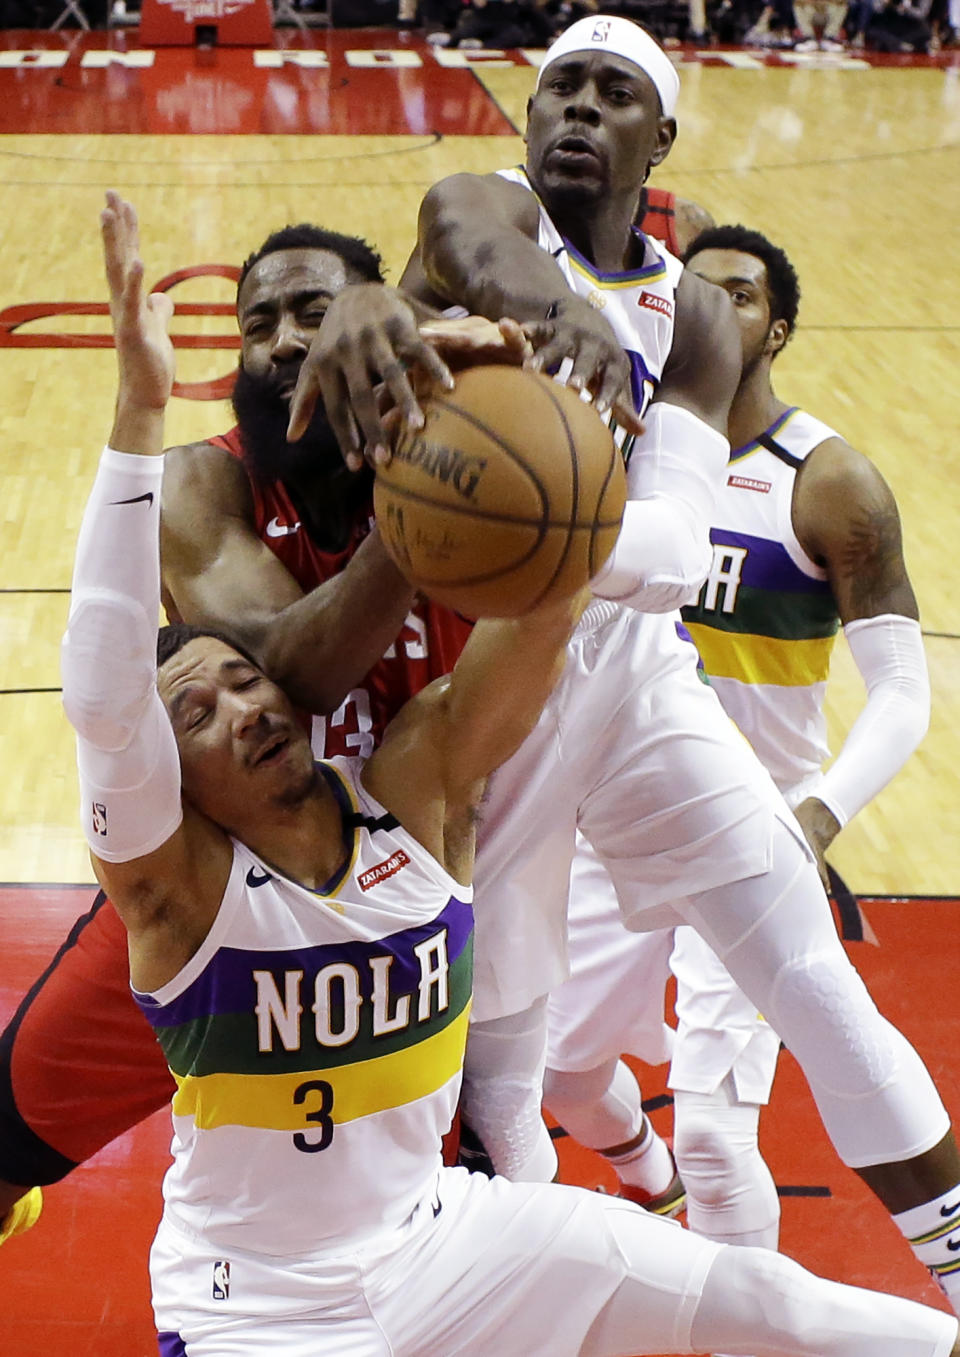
(511, 494)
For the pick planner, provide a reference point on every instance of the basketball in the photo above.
(510, 495)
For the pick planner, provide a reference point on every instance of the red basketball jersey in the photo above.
(659, 217)
(427, 647)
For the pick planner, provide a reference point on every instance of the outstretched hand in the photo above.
(369, 336)
(140, 324)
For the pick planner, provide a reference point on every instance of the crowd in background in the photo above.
(803, 25)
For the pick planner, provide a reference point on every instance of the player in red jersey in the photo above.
(675, 221)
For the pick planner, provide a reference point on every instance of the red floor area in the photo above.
(77, 1282)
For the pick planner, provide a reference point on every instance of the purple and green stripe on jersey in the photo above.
(759, 618)
(382, 1023)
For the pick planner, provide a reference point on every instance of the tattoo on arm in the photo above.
(869, 562)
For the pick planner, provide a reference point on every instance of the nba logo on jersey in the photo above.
(221, 1281)
(99, 818)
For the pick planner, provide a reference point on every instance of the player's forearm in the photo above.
(474, 257)
(137, 428)
(501, 683)
(324, 644)
(888, 651)
(675, 473)
(108, 660)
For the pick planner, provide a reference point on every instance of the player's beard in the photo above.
(263, 414)
(326, 494)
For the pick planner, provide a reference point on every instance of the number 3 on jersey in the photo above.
(319, 1093)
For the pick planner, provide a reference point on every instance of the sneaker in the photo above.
(668, 1203)
(808, 45)
(472, 1154)
(22, 1215)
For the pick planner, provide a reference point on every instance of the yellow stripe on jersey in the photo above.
(369, 1086)
(762, 659)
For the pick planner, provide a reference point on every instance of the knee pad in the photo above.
(502, 1089)
(730, 1192)
(824, 1014)
(505, 1114)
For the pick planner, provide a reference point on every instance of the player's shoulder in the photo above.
(834, 467)
(204, 472)
(837, 487)
(509, 196)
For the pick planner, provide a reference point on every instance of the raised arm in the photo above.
(477, 247)
(437, 754)
(164, 869)
(218, 573)
(846, 519)
(677, 466)
(477, 250)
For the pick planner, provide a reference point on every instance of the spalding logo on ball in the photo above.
(511, 495)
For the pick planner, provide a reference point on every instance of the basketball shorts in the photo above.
(485, 1266)
(635, 751)
(79, 1064)
(613, 1000)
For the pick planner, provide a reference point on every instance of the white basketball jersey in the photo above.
(316, 1039)
(766, 618)
(639, 303)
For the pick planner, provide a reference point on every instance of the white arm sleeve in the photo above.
(126, 750)
(663, 553)
(888, 651)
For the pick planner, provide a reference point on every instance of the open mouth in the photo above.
(577, 146)
(270, 751)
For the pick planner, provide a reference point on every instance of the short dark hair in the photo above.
(783, 285)
(176, 635)
(353, 250)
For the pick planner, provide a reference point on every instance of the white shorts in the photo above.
(485, 1267)
(719, 1031)
(636, 750)
(614, 999)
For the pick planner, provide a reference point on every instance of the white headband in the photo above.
(610, 33)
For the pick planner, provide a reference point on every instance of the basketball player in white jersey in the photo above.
(806, 536)
(632, 749)
(300, 940)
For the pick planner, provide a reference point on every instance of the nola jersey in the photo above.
(316, 1039)
(766, 619)
(639, 304)
(427, 647)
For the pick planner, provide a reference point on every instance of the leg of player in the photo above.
(724, 1061)
(758, 1301)
(601, 1108)
(612, 1001)
(775, 935)
(63, 1097)
(499, 1267)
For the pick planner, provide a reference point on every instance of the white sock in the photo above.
(933, 1231)
(649, 1166)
